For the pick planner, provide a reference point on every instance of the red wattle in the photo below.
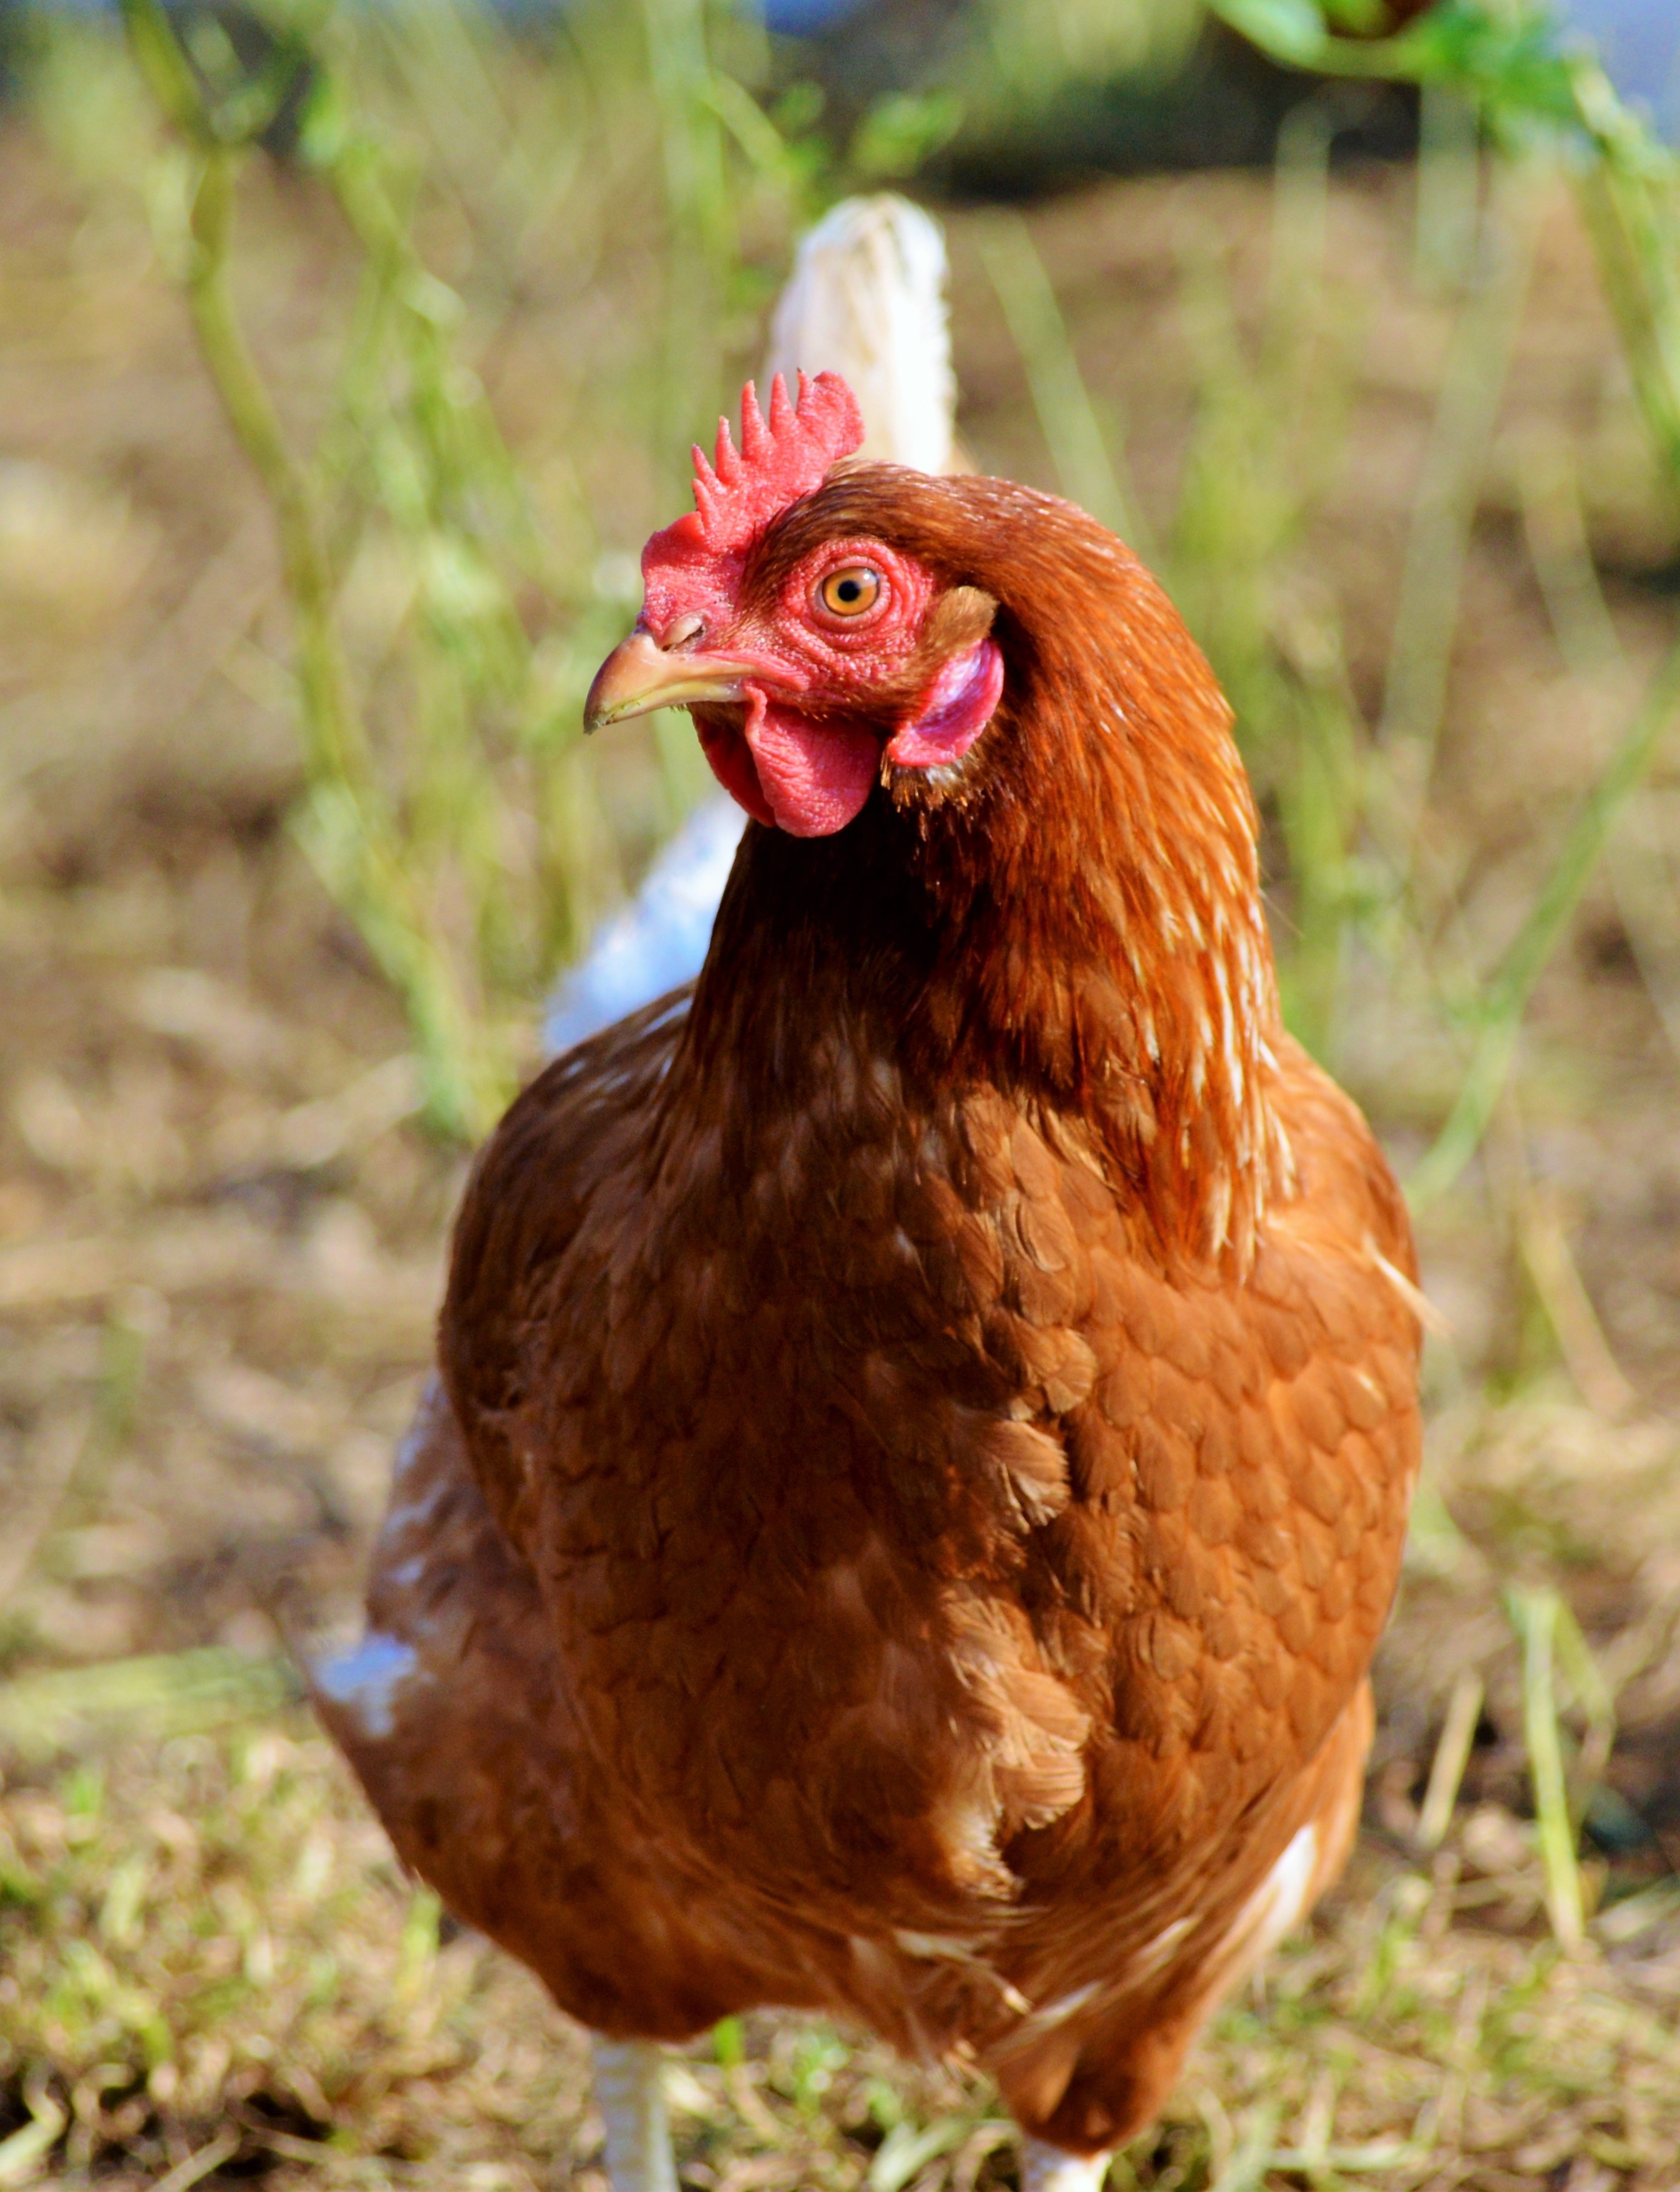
(816, 776)
(808, 779)
(731, 762)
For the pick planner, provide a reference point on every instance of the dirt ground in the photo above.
(221, 1233)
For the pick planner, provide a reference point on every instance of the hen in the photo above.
(927, 1418)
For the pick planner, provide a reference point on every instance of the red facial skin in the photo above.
(805, 747)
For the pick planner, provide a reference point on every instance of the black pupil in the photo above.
(849, 590)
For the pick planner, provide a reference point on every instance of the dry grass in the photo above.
(220, 1233)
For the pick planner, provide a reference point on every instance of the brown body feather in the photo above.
(927, 1424)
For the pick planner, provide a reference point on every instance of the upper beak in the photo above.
(639, 676)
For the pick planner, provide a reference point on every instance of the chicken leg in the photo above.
(1045, 2169)
(630, 2089)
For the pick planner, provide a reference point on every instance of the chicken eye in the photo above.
(850, 592)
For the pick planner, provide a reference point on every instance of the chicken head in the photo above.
(812, 668)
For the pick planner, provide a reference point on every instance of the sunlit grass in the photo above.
(207, 1952)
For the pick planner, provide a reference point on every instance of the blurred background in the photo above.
(346, 358)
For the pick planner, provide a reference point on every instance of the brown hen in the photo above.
(927, 1418)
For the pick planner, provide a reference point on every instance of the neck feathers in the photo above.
(1072, 913)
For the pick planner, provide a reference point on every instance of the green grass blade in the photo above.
(905, 2151)
(1451, 1755)
(1432, 586)
(22, 2154)
(163, 1693)
(1087, 471)
(1506, 998)
(1534, 1616)
(1255, 2154)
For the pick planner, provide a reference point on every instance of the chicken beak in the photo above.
(639, 676)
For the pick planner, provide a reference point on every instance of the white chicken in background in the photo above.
(865, 300)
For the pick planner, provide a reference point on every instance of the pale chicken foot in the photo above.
(630, 2091)
(1053, 2169)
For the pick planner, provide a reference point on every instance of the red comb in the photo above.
(738, 493)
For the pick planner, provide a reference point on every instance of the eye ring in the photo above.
(851, 590)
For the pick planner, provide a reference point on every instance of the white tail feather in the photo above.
(866, 300)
